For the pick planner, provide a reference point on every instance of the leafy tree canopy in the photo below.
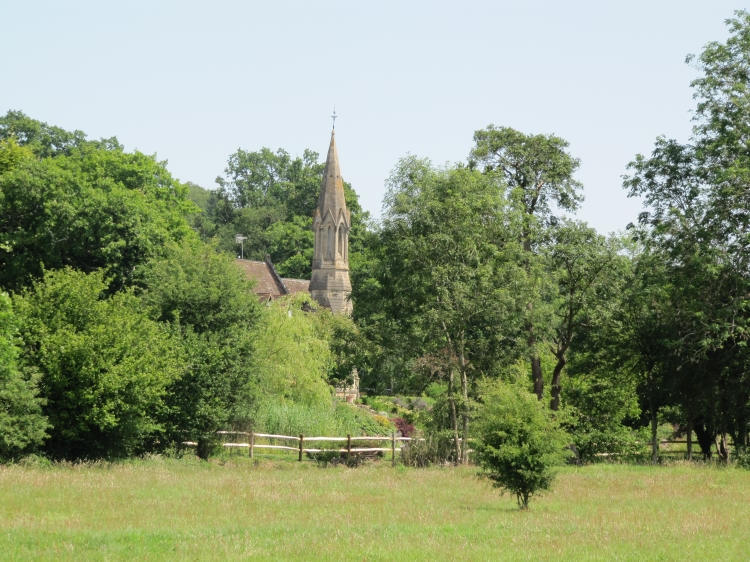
(695, 226)
(212, 311)
(447, 278)
(536, 169)
(105, 367)
(44, 140)
(21, 422)
(80, 204)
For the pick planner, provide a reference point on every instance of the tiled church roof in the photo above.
(268, 284)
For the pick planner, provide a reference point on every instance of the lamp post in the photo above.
(239, 239)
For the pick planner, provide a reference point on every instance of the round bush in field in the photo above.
(519, 442)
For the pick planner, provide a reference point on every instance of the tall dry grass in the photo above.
(239, 510)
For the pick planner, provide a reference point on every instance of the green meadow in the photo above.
(238, 509)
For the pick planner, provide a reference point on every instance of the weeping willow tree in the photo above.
(293, 356)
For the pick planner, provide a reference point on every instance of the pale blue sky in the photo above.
(194, 81)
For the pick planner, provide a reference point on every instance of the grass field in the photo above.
(280, 510)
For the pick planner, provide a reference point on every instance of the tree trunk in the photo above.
(722, 448)
(464, 409)
(556, 388)
(704, 433)
(654, 427)
(454, 418)
(689, 438)
(537, 377)
(536, 364)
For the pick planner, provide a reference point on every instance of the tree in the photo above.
(582, 263)
(43, 140)
(196, 285)
(536, 172)
(519, 442)
(447, 276)
(89, 206)
(620, 366)
(22, 424)
(11, 154)
(209, 304)
(696, 224)
(293, 357)
(104, 366)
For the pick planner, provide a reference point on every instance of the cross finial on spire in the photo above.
(334, 116)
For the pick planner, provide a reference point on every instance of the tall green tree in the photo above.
(697, 221)
(583, 264)
(447, 275)
(89, 206)
(212, 311)
(536, 174)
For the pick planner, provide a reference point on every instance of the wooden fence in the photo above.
(301, 440)
(393, 440)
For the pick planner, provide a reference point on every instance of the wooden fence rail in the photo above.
(301, 440)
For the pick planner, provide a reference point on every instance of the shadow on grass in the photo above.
(496, 508)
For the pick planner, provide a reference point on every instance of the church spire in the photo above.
(330, 285)
(332, 189)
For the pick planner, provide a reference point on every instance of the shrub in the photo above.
(435, 390)
(519, 441)
(384, 423)
(21, 422)
(742, 458)
(327, 458)
(420, 404)
(105, 367)
(400, 402)
(618, 442)
(403, 426)
(431, 450)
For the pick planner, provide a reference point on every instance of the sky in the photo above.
(194, 81)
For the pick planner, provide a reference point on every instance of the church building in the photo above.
(330, 285)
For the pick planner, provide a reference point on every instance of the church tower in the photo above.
(330, 285)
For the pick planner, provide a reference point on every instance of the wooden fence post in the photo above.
(301, 440)
(252, 443)
(348, 445)
(393, 448)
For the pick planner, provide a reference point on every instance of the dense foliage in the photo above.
(21, 422)
(129, 334)
(695, 228)
(447, 279)
(482, 307)
(83, 204)
(520, 443)
(104, 366)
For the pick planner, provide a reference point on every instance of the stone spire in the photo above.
(330, 285)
